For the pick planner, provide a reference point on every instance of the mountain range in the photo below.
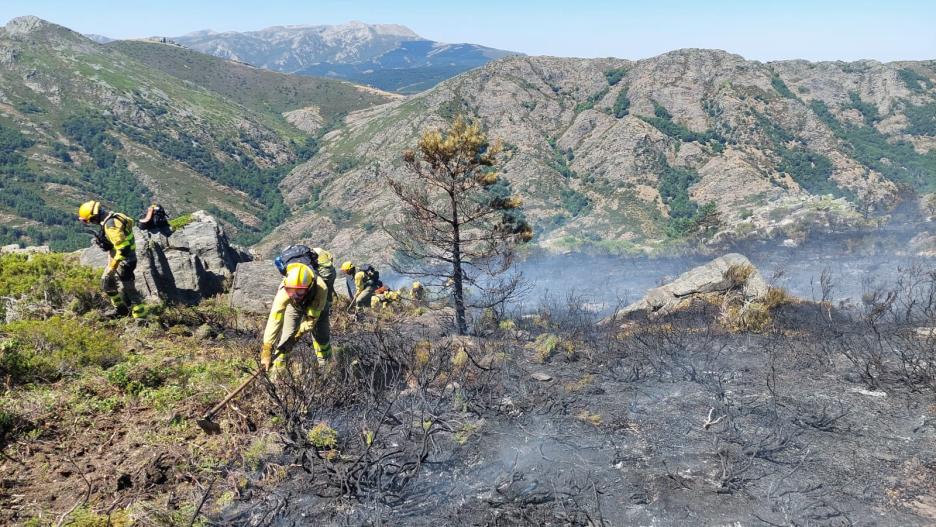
(389, 57)
(640, 156)
(692, 146)
(79, 120)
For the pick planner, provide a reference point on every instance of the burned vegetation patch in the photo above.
(823, 415)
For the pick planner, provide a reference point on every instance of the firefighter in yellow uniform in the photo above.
(298, 308)
(418, 294)
(366, 282)
(115, 238)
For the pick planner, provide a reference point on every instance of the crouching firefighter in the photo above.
(366, 282)
(116, 239)
(298, 308)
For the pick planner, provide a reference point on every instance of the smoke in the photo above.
(856, 264)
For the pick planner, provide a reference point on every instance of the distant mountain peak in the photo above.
(29, 25)
(100, 39)
(26, 24)
(387, 56)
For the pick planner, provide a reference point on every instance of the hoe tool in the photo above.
(210, 427)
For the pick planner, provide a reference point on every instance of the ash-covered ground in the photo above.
(822, 414)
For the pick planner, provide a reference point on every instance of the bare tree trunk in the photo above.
(457, 286)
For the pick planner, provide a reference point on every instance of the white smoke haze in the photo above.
(856, 263)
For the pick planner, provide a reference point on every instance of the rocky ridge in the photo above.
(606, 152)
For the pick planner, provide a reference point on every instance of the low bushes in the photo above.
(55, 280)
(45, 350)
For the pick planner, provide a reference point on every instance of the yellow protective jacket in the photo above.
(324, 257)
(360, 279)
(308, 312)
(118, 229)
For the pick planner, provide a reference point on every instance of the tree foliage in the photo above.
(460, 221)
(621, 104)
(897, 160)
(615, 75)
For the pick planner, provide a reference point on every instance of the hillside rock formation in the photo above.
(254, 286)
(185, 266)
(619, 156)
(731, 272)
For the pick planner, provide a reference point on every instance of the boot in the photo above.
(117, 311)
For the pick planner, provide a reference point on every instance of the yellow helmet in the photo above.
(299, 278)
(89, 210)
(347, 267)
(417, 285)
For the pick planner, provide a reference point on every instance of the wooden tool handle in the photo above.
(232, 395)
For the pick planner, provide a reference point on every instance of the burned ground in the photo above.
(825, 418)
(823, 415)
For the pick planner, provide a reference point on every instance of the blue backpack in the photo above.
(295, 254)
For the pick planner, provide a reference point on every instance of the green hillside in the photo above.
(79, 120)
(258, 89)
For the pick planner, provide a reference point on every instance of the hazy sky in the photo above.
(757, 29)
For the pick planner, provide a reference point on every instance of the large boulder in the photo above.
(185, 266)
(731, 272)
(254, 286)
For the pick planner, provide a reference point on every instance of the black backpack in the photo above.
(295, 254)
(372, 275)
(159, 219)
(100, 239)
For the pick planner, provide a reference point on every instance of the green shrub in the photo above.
(896, 160)
(916, 82)
(85, 517)
(323, 437)
(134, 378)
(615, 75)
(180, 221)
(44, 350)
(573, 201)
(621, 104)
(663, 121)
(53, 278)
(591, 101)
(781, 87)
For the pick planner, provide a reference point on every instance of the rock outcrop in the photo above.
(731, 272)
(924, 244)
(185, 266)
(254, 286)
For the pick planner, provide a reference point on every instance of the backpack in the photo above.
(100, 239)
(296, 254)
(372, 275)
(160, 216)
(158, 219)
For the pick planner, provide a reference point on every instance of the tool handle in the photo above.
(232, 395)
(239, 389)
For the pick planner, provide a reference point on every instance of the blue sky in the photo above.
(757, 29)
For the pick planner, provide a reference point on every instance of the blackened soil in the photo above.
(667, 423)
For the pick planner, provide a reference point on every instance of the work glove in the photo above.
(306, 326)
(266, 356)
(109, 281)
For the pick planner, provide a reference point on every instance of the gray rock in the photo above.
(16, 249)
(709, 278)
(185, 266)
(254, 286)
